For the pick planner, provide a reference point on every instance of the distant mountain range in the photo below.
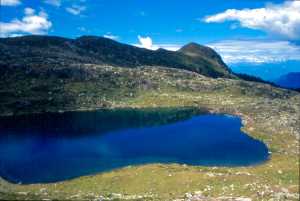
(290, 80)
(267, 71)
(44, 52)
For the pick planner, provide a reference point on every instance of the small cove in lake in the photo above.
(53, 147)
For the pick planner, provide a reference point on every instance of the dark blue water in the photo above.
(56, 154)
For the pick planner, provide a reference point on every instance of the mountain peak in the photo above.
(196, 50)
(191, 45)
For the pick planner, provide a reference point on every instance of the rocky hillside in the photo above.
(48, 52)
(268, 113)
(46, 73)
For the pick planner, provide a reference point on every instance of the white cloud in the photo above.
(237, 51)
(171, 47)
(56, 3)
(278, 19)
(29, 11)
(76, 9)
(31, 23)
(110, 36)
(10, 2)
(146, 42)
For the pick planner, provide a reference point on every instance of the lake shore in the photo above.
(277, 178)
(272, 118)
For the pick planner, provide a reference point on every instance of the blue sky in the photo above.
(168, 21)
(252, 31)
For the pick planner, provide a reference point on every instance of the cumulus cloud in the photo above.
(249, 51)
(146, 42)
(110, 36)
(56, 3)
(75, 9)
(31, 23)
(278, 19)
(10, 2)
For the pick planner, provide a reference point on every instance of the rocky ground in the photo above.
(268, 113)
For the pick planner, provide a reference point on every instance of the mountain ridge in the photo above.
(53, 51)
(39, 73)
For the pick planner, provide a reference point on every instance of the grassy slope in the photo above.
(268, 113)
